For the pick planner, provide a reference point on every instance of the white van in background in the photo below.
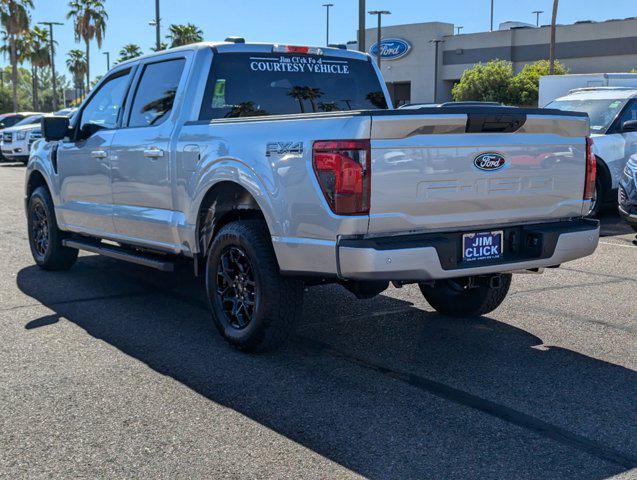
(555, 86)
(613, 115)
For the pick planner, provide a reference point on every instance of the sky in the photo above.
(300, 22)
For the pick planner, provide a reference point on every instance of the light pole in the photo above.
(458, 30)
(361, 25)
(52, 46)
(327, 32)
(491, 15)
(157, 24)
(537, 17)
(108, 60)
(379, 14)
(436, 41)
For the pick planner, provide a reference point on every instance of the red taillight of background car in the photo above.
(343, 170)
(591, 171)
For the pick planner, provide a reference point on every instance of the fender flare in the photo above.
(239, 173)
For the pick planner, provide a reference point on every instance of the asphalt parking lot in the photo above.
(114, 370)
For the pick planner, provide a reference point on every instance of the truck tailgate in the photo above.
(443, 168)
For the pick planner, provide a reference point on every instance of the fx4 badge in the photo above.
(279, 149)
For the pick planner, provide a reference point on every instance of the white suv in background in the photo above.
(613, 115)
(17, 140)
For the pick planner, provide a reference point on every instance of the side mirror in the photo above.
(88, 130)
(55, 128)
(629, 126)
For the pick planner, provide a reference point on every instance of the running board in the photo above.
(119, 253)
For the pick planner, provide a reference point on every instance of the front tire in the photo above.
(254, 307)
(45, 238)
(468, 296)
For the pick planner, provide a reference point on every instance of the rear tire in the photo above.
(254, 307)
(45, 238)
(456, 298)
(599, 198)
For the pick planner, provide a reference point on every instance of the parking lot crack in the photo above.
(502, 412)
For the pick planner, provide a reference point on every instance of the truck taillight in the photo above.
(591, 171)
(343, 170)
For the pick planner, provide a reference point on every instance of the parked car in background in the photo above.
(613, 115)
(66, 112)
(628, 193)
(553, 87)
(8, 120)
(17, 140)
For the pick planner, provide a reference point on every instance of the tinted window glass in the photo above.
(104, 107)
(10, 121)
(630, 113)
(250, 84)
(601, 111)
(156, 93)
(29, 120)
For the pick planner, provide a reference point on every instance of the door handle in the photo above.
(153, 153)
(98, 154)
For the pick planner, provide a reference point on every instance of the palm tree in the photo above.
(552, 46)
(299, 94)
(76, 63)
(129, 51)
(37, 41)
(14, 17)
(90, 18)
(162, 46)
(312, 94)
(184, 34)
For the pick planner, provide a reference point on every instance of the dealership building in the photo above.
(410, 52)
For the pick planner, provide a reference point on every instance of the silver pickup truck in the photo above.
(277, 167)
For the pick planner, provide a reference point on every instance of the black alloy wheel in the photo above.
(236, 287)
(39, 229)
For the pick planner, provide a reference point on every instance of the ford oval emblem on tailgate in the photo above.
(489, 161)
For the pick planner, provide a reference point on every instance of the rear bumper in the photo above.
(435, 256)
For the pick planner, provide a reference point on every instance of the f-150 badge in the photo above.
(280, 149)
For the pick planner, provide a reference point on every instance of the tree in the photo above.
(162, 46)
(552, 42)
(495, 82)
(89, 17)
(76, 63)
(184, 34)
(37, 50)
(488, 82)
(96, 80)
(14, 17)
(525, 85)
(129, 51)
(25, 89)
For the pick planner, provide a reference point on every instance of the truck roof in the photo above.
(254, 47)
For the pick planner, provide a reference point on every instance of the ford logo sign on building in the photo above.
(489, 162)
(391, 49)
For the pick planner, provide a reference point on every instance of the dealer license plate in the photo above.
(482, 246)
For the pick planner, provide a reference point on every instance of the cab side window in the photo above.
(156, 92)
(103, 109)
(630, 113)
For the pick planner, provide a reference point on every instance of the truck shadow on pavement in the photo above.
(380, 387)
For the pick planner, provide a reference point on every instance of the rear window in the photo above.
(254, 84)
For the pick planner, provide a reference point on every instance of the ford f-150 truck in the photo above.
(277, 167)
